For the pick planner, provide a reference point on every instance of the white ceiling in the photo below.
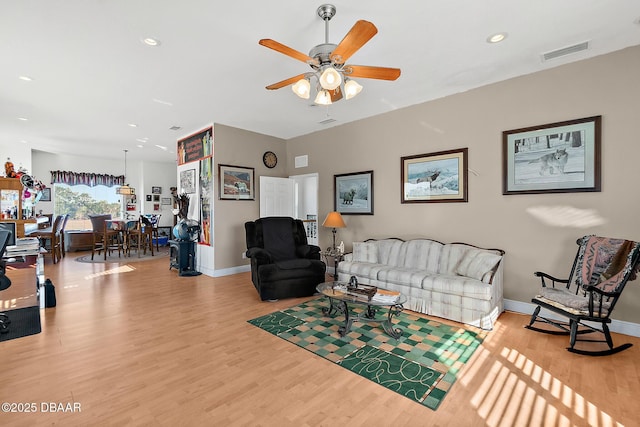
(92, 75)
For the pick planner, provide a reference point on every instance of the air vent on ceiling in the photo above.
(327, 121)
(565, 51)
(175, 128)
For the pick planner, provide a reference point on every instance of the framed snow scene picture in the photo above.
(561, 157)
(435, 177)
(353, 193)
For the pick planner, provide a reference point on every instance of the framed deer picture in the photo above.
(435, 177)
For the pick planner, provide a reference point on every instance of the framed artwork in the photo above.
(46, 195)
(561, 157)
(188, 181)
(156, 197)
(353, 193)
(236, 182)
(149, 197)
(166, 201)
(156, 206)
(435, 177)
(156, 190)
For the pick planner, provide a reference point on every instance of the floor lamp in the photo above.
(334, 220)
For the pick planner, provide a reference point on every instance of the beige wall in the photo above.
(607, 85)
(233, 146)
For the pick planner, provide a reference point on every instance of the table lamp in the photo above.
(334, 220)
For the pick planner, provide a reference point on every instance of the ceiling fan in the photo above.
(328, 61)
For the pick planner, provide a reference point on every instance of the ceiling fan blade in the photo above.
(358, 35)
(366, 72)
(336, 94)
(279, 47)
(286, 82)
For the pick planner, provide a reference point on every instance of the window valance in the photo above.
(86, 178)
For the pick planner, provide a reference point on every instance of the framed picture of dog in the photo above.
(353, 193)
(562, 157)
(434, 177)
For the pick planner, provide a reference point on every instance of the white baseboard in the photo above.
(618, 326)
(232, 270)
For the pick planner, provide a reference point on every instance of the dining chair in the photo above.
(50, 238)
(101, 236)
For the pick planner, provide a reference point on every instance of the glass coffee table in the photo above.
(341, 297)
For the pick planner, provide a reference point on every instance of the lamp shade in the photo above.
(302, 88)
(334, 220)
(330, 78)
(126, 190)
(351, 89)
(323, 98)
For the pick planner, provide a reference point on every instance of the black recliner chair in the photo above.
(283, 264)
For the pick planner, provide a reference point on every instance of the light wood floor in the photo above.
(138, 345)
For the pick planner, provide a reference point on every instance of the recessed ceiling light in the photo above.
(23, 141)
(496, 38)
(25, 78)
(133, 125)
(140, 146)
(141, 140)
(150, 41)
(24, 119)
(161, 147)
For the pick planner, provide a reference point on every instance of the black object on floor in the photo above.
(24, 322)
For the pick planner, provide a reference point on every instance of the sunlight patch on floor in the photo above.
(505, 399)
(121, 269)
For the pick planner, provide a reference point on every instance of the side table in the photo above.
(337, 258)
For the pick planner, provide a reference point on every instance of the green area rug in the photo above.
(422, 365)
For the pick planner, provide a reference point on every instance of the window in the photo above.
(80, 201)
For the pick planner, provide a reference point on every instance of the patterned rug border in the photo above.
(433, 347)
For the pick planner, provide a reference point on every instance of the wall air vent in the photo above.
(327, 121)
(175, 128)
(565, 51)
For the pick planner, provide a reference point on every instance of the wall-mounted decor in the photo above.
(562, 157)
(188, 181)
(149, 197)
(236, 182)
(46, 195)
(353, 193)
(156, 206)
(156, 197)
(196, 146)
(166, 201)
(435, 177)
(156, 190)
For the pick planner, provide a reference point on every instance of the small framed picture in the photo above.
(149, 197)
(156, 206)
(156, 190)
(156, 197)
(46, 195)
(166, 200)
(236, 182)
(353, 193)
(188, 181)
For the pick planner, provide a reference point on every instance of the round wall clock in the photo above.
(270, 159)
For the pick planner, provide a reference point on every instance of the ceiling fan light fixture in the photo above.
(302, 88)
(330, 78)
(323, 98)
(351, 89)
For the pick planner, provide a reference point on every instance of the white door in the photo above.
(277, 197)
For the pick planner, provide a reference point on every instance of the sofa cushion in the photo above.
(457, 285)
(423, 254)
(365, 252)
(402, 276)
(477, 263)
(389, 252)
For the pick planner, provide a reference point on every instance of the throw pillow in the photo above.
(365, 252)
(477, 263)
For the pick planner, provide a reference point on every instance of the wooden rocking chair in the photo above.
(601, 269)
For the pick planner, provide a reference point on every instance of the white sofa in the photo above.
(456, 281)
